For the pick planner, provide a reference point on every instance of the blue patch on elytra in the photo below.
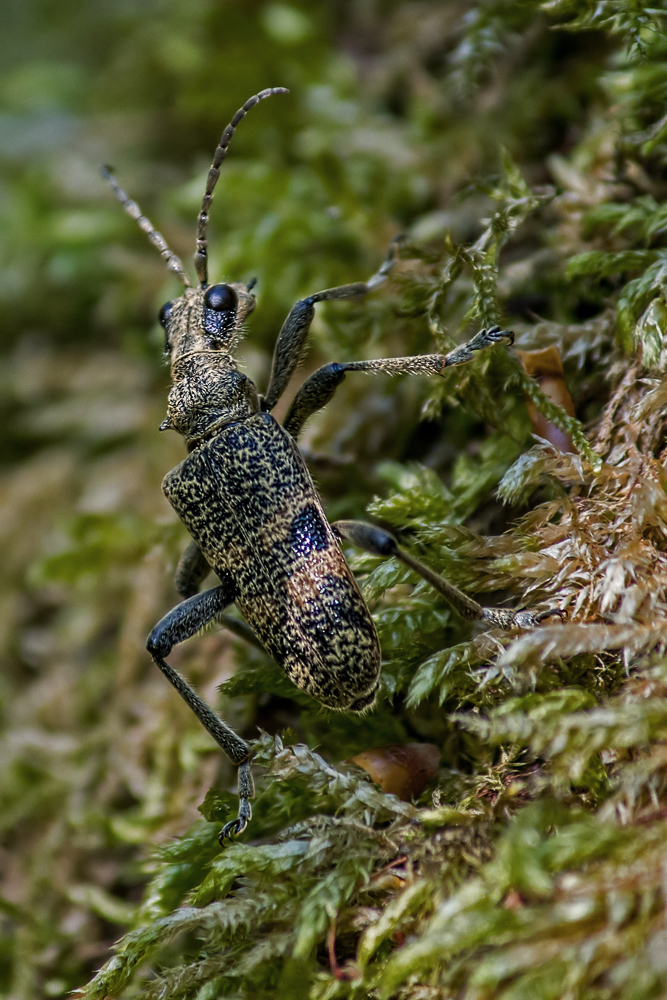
(308, 532)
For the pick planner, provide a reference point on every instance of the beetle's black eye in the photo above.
(164, 313)
(163, 316)
(220, 298)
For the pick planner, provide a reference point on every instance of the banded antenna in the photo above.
(201, 253)
(174, 263)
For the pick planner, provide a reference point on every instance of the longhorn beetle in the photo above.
(247, 498)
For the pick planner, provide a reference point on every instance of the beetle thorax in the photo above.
(208, 394)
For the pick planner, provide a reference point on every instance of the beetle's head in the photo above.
(209, 317)
(205, 319)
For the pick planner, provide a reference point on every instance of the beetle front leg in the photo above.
(294, 333)
(322, 384)
(379, 542)
(183, 621)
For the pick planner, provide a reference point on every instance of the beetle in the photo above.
(248, 500)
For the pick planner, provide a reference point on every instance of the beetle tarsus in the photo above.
(237, 826)
(485, 338)
(246, 791)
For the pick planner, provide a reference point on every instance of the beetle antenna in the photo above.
(212, 179)
(174, 263)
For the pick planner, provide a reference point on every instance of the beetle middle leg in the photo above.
(317, 390)
(182, 622)
(381, 543)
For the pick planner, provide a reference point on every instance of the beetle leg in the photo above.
(317, 390)
(380, 543)
(242, 630)
(180, 623)
(192, 570)
(292, 338)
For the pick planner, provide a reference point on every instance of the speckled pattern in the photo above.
(248, 500)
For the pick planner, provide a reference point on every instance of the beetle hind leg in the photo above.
(184, 621)
(192, 570)
(379, 542)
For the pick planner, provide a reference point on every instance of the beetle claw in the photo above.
(232, 829)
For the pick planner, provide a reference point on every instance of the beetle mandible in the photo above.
(247, 498)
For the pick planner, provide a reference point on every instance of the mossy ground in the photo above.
(522, 149)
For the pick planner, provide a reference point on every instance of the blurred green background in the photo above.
(396, 122)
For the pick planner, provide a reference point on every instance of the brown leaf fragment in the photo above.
(546, 368)
(401, 769)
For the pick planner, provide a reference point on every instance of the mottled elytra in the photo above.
(246, 496)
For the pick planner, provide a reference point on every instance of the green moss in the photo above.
(521, 149)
